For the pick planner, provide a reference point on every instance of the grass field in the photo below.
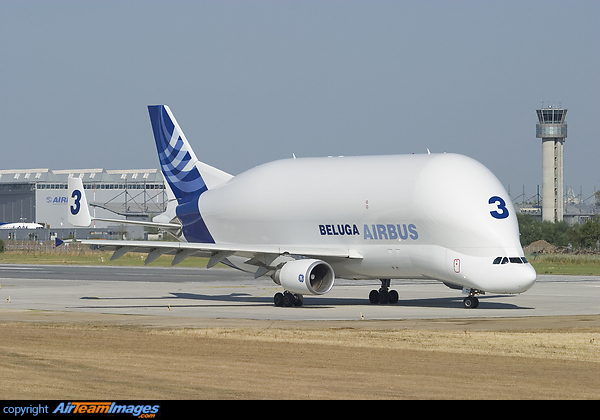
(90, 357)
(76, 254)
(94, 258)
(565, 264)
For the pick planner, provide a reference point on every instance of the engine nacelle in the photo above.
(305, 276)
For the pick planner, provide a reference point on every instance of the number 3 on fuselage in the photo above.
(501, 212)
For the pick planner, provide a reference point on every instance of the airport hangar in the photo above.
(40, 196)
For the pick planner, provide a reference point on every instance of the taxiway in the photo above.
(229, 294)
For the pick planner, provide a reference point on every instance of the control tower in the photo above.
(552, 129)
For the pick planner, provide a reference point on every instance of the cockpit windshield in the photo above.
(511, 260)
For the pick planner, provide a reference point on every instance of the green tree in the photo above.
(556, 233)
(586, 235)
(532, 230)
(529, 228)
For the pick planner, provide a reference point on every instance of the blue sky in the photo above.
(254, 81)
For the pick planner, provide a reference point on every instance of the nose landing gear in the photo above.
(471, 301)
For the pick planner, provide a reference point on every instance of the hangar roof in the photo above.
(41, 175)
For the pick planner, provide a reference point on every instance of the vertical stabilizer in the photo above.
(177, 159)
(187, 177)
(78, 213)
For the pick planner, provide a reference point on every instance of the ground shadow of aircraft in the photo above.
(321, 302)
(486, 302)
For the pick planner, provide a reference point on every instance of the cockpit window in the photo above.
(512, 260)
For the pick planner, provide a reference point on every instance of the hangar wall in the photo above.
(40, 196)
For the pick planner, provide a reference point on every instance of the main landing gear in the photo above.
(384, 295)
(288, 299)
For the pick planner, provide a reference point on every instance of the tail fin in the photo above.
(186, 176)
(78, 213)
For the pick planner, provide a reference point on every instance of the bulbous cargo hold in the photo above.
(409, 216)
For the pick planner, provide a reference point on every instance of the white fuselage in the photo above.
(440, 216)
(21, 226)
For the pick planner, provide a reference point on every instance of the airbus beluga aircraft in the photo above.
(306, 221)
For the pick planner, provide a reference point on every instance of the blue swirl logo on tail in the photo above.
(178, 165)
(176, 157)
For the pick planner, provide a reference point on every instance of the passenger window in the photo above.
(497, 260)
(516, 260)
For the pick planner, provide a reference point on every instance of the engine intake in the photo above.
(305, 276)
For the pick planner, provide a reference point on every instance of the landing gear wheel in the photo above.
(288, 299)
(374, 296)
(471, 302)
(384, 295)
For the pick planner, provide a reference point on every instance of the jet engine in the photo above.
(305, 276)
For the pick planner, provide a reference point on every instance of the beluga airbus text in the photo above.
(306, 221)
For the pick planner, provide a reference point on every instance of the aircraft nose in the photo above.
(527, 277)
(511, 279)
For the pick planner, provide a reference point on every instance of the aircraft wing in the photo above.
(167, 226)
(264, 257)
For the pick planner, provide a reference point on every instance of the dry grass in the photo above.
(78, 254)
(572, 345)
(83, 361)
